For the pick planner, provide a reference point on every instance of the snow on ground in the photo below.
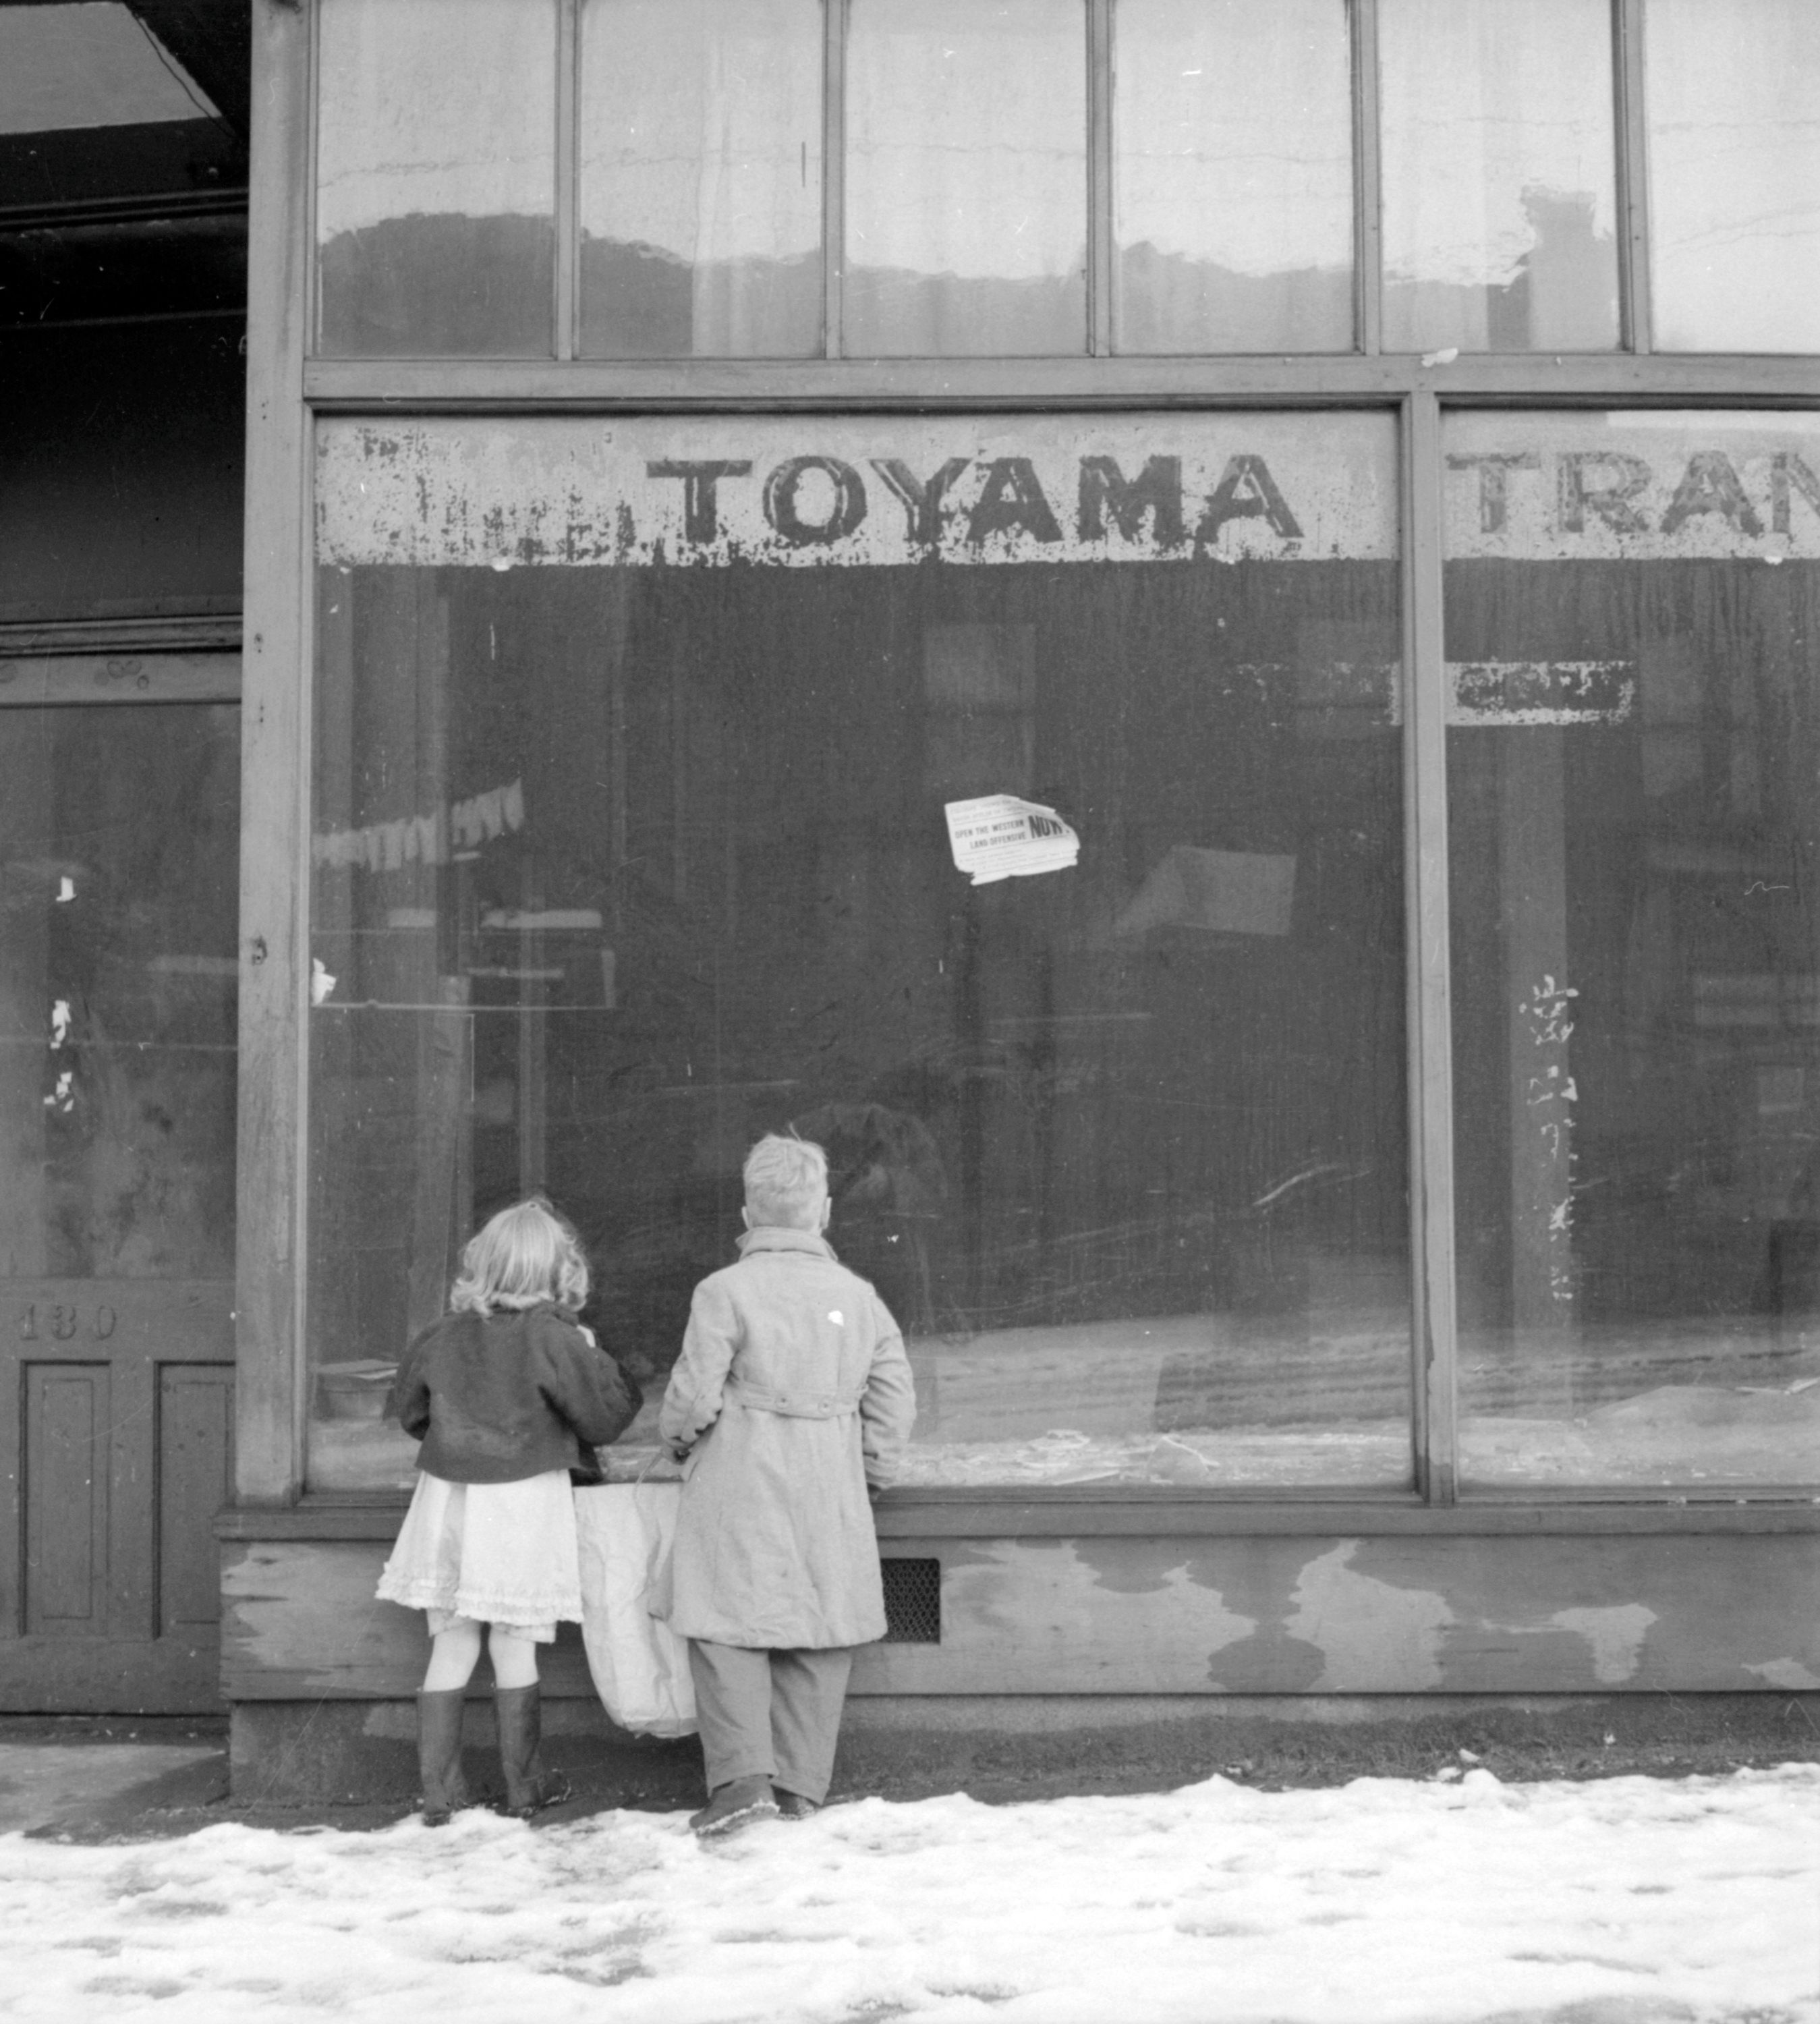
(1629, 1900)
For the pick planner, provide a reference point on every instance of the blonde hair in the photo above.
(786, 1182)
(524, 1255)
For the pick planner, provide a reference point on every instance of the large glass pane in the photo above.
(636, 755)
(1232, 176)
(1633, 627)
(1733, 96)
(436, 178)
(700, 191)
(966, 177)
(1499, 168)
(119, 909)
(121, 486)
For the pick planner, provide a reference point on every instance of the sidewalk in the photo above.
(106, 1779)
(121, 1778)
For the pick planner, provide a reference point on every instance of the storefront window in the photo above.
(701, 184)
(436, 178)
(1233, 179)
(1633, 629)
(1499, 165)
(1734, 174)
(643, 752)
(966, 177)
(118, 833)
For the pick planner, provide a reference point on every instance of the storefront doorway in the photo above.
(118, 852)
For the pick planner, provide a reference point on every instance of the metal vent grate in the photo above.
(913, 1602)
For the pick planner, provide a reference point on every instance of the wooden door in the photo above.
(119, 897)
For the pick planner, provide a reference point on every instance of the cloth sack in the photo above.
(625, 1531)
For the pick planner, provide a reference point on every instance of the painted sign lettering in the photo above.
(883, 491)
(1639, 486)
(856, 492)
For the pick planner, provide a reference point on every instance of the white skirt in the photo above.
(497, 1553)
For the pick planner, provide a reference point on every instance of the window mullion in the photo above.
(1099, 178)
(1367, 204)
(833, 173)
(1632, 176)
(568, 171)
(1434, 1320)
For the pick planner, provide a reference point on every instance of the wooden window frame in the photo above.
(287, 391)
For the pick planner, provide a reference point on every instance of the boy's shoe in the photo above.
(733, 1806)
(793, 1806)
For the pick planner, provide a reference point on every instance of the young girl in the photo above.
(508, 1393)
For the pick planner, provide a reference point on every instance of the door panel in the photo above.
(67, 1419)
(195, 1476)
(118, 901)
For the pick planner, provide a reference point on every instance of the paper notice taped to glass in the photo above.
(997, 836)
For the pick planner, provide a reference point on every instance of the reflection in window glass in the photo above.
(1233, 179)
(1733, 96)
(700, 193)
(1499, 169)
(966, 177)
(119, 836)
(1636, 735)
(436, 157)
(627, 856)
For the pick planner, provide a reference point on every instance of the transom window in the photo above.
(625, 179)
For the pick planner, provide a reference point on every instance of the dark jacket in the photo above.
(499, 1397)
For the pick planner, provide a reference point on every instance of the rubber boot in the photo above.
(439, 1754)
(530, 1788)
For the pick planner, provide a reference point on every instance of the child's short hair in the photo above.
(786, 1181)
(524, 1254)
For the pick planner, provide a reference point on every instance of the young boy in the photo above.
(791, 1400)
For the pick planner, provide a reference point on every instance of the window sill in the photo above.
(1134, 1511)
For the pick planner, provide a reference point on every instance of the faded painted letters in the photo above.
(1637, 487)
(873, 491)
(809, 492)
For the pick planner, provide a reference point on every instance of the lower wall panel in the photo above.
(1671, 1612)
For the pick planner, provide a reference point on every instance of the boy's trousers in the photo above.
(770, 1714)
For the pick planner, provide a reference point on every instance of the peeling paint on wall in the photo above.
(1369, 1630)
(1051, 1594)
(1616, 1636)
(1676, 1613)
(1789, 1672)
